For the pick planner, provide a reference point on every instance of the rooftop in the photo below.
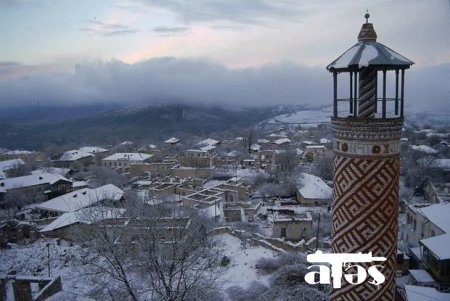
(86, 216)
(438, 214)
(438, 245)
(313, 187)
(31, 180)
(128, 157)
(82, 198)
(369, 52)
(421, 293)
(74, 155)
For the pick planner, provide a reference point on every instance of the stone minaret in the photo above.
(367, 129)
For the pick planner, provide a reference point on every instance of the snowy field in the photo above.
(305, 118)
(242, 269)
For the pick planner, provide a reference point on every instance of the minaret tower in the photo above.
(367, 127)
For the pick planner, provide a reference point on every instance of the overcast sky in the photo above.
(208, 51)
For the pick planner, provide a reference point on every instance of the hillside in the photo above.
(118, 124)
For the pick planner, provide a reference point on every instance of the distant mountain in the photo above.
(52, 114)
(110, 124)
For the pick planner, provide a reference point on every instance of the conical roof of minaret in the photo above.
(368, 52)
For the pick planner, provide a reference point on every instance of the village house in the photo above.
(154, 169)
(208, 144)
(191, 172)
(313, 191)
(26, 156)
(312, 152)
(172, 141)
(74, 159)
(98, 152)
(34, 188)
(292, 227)
(70, 225)
(198, 158)
(427, 234)
(10, 167)
(123, 161)
(79, 199)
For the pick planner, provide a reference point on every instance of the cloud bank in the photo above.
(197, 81)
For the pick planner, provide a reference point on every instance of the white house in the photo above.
(125, 159)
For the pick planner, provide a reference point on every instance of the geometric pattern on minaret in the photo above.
(366, 179)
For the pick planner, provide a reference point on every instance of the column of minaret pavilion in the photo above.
(367, 130)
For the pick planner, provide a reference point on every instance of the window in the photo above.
(414, 225)
(283, 232)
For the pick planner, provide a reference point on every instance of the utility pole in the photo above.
(48, 258)
(317, 235)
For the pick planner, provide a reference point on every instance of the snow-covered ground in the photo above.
(33, 260)
(241, 270)
(65, 261)
(305, 118)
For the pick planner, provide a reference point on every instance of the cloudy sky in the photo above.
(208, 51)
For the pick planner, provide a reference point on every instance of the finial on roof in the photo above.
(367, 33)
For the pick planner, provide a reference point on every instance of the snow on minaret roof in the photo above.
(369, 52)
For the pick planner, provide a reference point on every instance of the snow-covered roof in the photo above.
(52, 170)
(423, 293)
(208, 141)
(255, 147)
(441, 163)
(79, 184)
(424, 149)
(263, 141)
(438, 214)
(9, 164)
(298, 151)
(233, 154)
(86, 216)
(152, 146)
(172, 140)
(81, 198)
(128, 157)
(282, 141)
(324, 140)
(195, 151)
(31, 180)
(127, 143)
(207, 148)
(438, 245)
(363, 54)
(92, 149)
(316, 147)
(313, 187)
(74, 155)
(307, 142)
(421, 276)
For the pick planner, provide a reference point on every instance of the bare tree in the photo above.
(153, 254)
(105, 175)
(323, 167)
(286, 161)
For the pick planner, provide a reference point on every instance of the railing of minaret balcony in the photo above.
(385, 107)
